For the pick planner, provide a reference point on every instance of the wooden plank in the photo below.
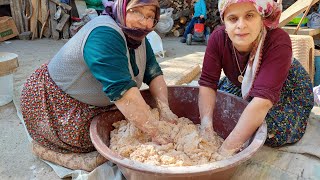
(43, 25)
(63, 5)
(34, 18)
(304, 15)
(4, 2)
(302, 30)
(44, 5)
(62, 22)
(45, 13)
(81, 7)
(19, 18)
(26, 15)
(65, 31)
(294, 10)
(15, 8)
(53, 23)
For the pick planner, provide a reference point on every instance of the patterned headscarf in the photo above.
(268, 9)
(270, 12)
(118, 11)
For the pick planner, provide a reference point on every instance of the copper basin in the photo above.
(183, 101)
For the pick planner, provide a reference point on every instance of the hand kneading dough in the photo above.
(188, 148)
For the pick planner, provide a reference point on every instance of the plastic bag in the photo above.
(314, 20)
(156, 43)
(165, 23)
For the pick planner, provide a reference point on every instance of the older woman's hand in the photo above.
(166, 114)
(150, 127)
(162, 139)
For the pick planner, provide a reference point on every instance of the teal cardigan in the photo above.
(107, 44)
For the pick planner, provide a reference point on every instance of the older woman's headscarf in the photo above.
(118, 11)
(270, 12)
(268, 9)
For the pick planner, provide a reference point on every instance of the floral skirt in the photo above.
(286, 120)
(53, 118)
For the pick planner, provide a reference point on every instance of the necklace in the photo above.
(240, 77)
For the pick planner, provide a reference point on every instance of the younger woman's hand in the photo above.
(206, 129)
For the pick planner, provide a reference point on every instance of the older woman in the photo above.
(105, 63)
(256, 58)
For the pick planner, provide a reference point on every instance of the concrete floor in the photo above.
(16, 159)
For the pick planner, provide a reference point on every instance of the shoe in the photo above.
(183, 40)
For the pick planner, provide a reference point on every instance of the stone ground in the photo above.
(16, 159)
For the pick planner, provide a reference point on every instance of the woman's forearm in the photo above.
(251, 118)
(135, 109)
(207, 100)
(158, 89)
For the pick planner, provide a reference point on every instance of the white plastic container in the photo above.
(6, 89)
(8, 64)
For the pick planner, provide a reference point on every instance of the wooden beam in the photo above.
(294, 10)
(304, 15)
(302, 30)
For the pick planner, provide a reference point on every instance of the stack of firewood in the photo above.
(183, 11)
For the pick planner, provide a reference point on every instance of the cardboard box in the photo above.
(8, 28)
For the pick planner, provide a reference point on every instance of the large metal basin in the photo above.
(183, 101)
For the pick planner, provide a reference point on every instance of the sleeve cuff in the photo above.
(266, 94)
(159, 73)
(116, 95)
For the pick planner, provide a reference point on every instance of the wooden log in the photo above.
(183, 20)
(178, 32)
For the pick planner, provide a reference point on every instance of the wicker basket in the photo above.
(303, 50)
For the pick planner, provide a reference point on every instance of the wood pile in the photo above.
(48, 18)
(183, 11)
(45, 18)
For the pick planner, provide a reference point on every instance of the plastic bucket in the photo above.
(8, 64)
